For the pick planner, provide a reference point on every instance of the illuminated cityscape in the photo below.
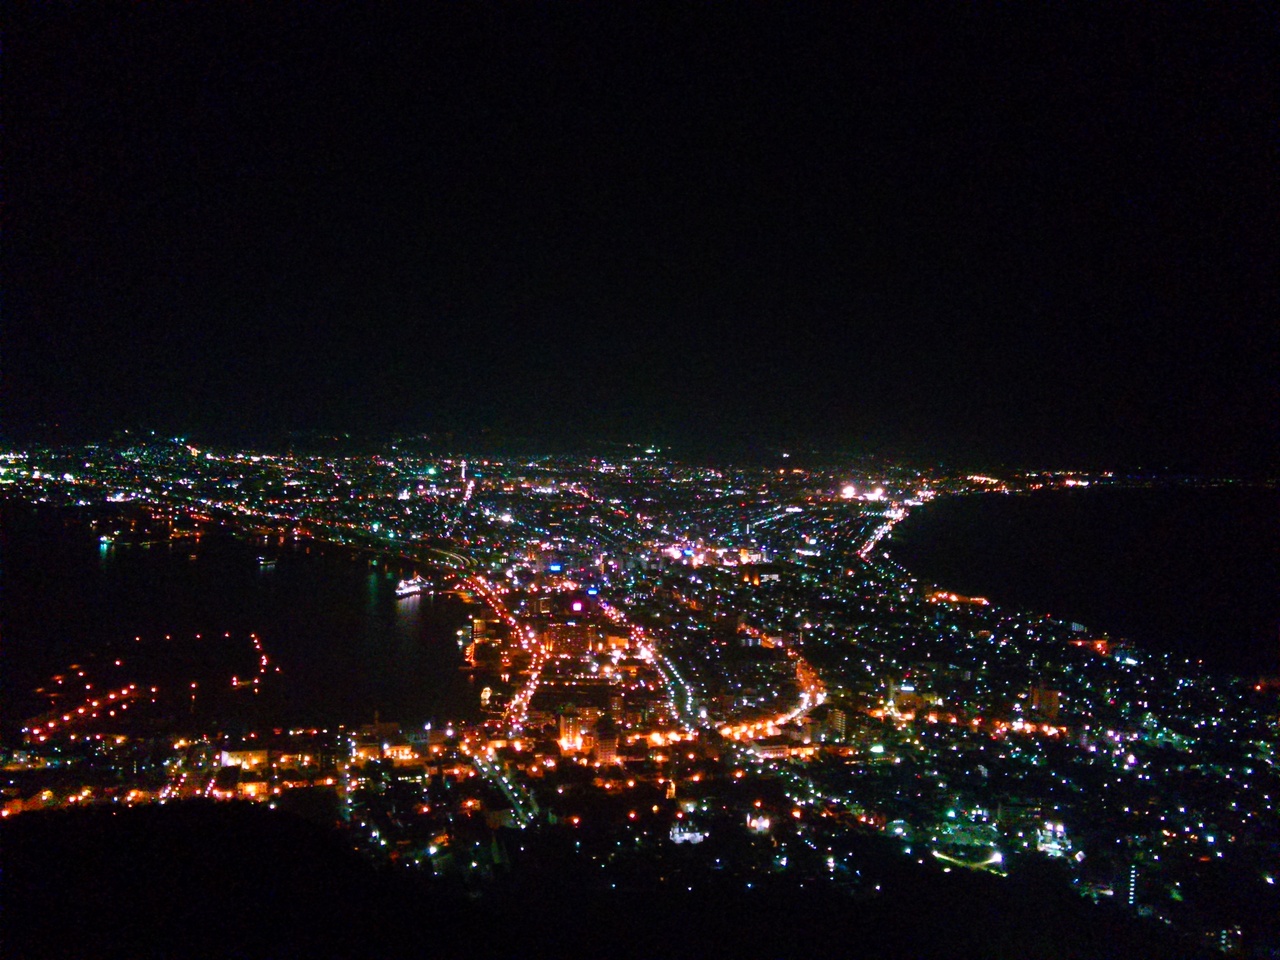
(696, 676)
(639, 481)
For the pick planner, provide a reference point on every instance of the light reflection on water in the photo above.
(346, 644)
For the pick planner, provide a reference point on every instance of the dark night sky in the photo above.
(958, 230)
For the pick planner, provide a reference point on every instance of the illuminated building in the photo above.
(574, 639)
(685, 832)
(570, 732)
(758, 823)
(253, 789)
(837, 723)
(245, 759)
(771, 748)
(400, 753)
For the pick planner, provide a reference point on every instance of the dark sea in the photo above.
(345, 644)
(1193, 572)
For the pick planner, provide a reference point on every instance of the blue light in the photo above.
(554, 568)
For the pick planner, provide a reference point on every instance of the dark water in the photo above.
(345, 644)
(1191, 572)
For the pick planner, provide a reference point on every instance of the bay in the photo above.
(1188, 571)
(346, 646)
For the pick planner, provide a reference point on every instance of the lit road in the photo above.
(522, 802)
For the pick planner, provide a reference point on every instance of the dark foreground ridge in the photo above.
(230, 880)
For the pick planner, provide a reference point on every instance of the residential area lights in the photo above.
(668, 653)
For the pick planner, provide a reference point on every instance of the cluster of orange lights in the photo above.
(811, 686)
(942, 596)
(1100, 646)
(1022, 726)
(750, 731)
(89, 710)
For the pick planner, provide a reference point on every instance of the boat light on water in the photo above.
(407, 588)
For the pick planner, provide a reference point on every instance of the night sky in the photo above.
(956, 231)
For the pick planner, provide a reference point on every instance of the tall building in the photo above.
(570, 732)
(607, 746)
(837, 724)
(575, 639)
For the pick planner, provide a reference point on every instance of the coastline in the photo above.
(1122, 560)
